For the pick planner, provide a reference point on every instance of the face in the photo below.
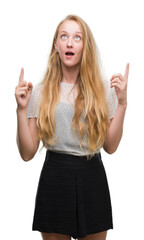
(69, 43)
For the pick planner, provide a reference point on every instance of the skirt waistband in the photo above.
(71, 160)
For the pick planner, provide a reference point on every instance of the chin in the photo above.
(71, 64)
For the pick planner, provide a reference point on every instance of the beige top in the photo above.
(64, 114)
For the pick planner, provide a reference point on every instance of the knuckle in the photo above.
(123, 88)
(22, 84)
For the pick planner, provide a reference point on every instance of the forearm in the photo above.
(115, 130)
(24, 138)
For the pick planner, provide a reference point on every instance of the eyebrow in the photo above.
(66, 32)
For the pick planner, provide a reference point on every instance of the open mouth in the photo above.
(69, 53)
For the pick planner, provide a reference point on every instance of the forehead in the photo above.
(70, 26)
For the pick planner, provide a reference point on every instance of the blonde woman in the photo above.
(75, 112)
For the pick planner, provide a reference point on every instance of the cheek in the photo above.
(61, 50)
(80, 47)
(80, 50)
(61, 47)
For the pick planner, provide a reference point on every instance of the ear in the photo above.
(55, 44)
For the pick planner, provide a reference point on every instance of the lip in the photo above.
(69, 52)
(69, 56)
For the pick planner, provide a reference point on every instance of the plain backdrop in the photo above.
(27, 28)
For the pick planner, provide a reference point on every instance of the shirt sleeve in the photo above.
(111, 99)
(34, 102)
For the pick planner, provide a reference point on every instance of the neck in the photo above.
(70, 74)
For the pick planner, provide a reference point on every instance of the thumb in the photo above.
(30, 87)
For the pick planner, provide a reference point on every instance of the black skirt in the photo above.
(73, 196)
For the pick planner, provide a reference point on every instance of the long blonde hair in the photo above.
(91, 95)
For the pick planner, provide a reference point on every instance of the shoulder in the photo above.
(37, 88)
(110, 92)
(111, 98)
(33, 105)
(36, 92)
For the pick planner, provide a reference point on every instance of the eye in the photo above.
(77, 37)
(63, 36)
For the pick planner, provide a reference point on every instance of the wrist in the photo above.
(19, 109)
(124, 105)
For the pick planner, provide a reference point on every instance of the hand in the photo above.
(120, 84)
(23, 91)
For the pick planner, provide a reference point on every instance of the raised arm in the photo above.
(27, 140)
(115, 129)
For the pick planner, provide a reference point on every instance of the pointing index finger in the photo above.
(126, 72)
(21, 77)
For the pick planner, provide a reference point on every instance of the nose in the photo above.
(69, 42)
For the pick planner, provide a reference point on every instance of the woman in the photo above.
(75, 113)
